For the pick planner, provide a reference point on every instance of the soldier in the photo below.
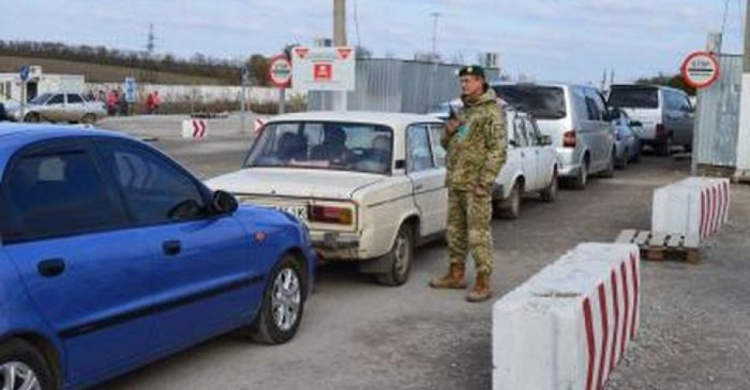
(476, 146)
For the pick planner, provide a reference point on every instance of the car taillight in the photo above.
(661, 131)
(328, 214)
(569, 139)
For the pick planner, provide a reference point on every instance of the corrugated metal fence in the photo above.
(397, 86)
(718, 117)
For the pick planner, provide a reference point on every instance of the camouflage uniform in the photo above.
(475, 158)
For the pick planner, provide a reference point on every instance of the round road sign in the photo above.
(280, 70)
(700, 69)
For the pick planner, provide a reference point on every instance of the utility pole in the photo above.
(436, 16)
(339, 39)
(743, 137)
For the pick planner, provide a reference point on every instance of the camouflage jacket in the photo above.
(476, 152)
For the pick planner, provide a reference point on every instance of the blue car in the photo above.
(113, 255)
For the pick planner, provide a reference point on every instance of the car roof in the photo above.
(394, 120)
(542, 84)
(14, 136)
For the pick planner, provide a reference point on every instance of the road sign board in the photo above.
(324, 68)
(700, 69)
(24, 73)
(130, 89)
(280, 70)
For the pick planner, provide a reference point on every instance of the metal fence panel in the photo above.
(717, 121)
(397, 86)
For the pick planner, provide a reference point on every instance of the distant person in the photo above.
(153, 101)
(112, 99)
(122, 103)
(90, 96)
(102, 97)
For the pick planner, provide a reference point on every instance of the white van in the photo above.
(576, 119)
(666, 114)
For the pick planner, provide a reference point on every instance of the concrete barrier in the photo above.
(568, 326)
(194, 128)
(695, 207)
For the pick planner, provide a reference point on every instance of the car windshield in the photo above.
(41, 99)
(355, 147)
(542, 102)
(634, 97)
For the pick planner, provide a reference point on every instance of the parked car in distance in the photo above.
(532, 164)
(113, 256)
(59, 107)
(627, 139)
(577, 121)
(667, 114)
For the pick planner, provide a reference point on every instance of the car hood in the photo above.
(307, 183)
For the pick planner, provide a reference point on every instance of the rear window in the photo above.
(634, 97)
(542, 102)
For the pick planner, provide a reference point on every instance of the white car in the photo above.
(59, 107)
(532, 165)
(370, 186)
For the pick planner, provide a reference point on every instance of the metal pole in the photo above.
(282, 101)
(23, 102)
(743, 136)
(339, 39)
(243, 108)
(435, 15)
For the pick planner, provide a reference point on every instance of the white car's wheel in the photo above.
(549, 194)
(510, 208)
(399, 259)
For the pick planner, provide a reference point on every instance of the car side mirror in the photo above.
(636, 124)
(545, 140)
(224, 203)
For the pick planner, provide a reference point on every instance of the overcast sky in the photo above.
(563, 40)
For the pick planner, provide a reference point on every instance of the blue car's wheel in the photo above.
(23, 367)
(283, 303)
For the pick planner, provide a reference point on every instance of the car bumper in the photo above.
(336, 246)
(570, 165)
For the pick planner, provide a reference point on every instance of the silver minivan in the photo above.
(576, 119)
(666, 114)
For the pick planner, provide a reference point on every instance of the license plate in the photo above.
(298, 211)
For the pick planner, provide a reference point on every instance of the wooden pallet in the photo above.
(660, 247)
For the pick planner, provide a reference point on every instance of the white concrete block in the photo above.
(569, 325)
(695, 207)
(194, 128)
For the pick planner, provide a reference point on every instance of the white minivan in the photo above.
(666, 114)
(577, 121)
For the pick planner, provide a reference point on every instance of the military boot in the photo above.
(453, 280)
(481, 291)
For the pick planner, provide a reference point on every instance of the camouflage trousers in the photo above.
(469, 219)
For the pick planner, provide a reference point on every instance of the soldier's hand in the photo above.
(481, 191)
(452, 126)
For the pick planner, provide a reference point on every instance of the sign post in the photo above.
(130, 93)
(280, 70)
(244, 80)
(24, 75)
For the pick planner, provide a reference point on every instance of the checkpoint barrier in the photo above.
(194, 128)
(569, 325)
(695, 207)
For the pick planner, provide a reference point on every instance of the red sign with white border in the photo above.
(280, 71)
(700, 69)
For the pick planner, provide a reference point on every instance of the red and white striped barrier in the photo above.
(568, 326)
(695, 207)
(194, 128)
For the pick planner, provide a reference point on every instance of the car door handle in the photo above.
(51, 267)
(172, 247)
(419, 187)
